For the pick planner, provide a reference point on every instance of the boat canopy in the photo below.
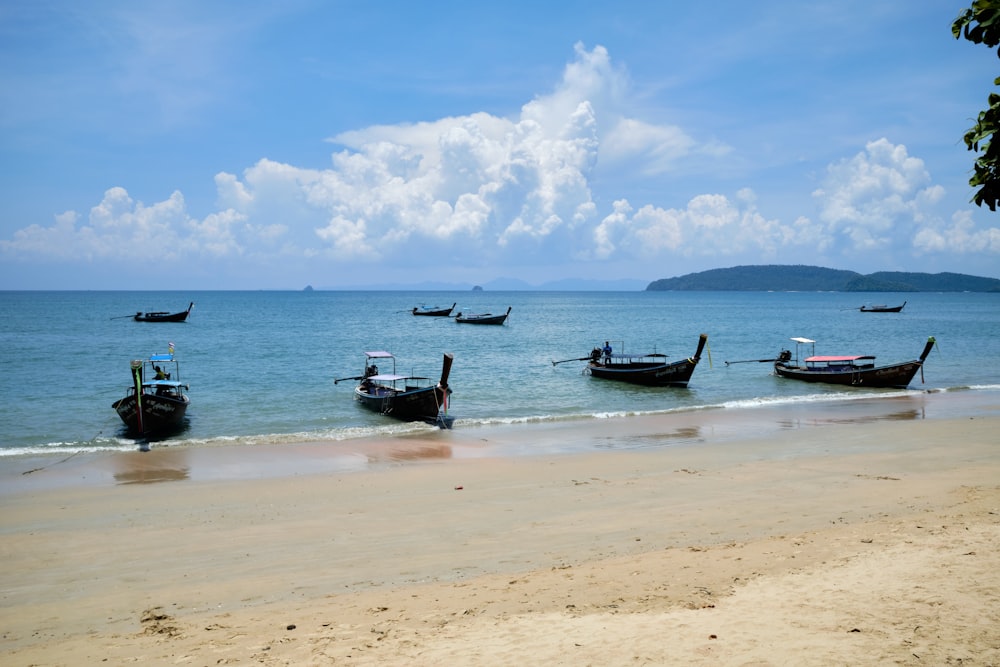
(390, 377)
(834, 358)
(625, 356)
(163, 383)
(803, 340)
(386, 377)
(379, 354)
(161, 357)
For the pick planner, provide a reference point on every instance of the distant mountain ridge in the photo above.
(513, 285)
(802, 278)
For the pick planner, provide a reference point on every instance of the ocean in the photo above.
(261, 365)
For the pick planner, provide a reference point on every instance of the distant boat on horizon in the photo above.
(882, 308)
(483, 318)
(163, 316)
(434, 311)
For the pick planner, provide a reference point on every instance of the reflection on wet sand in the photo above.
(401, 452)
(682, 435)
(904, 415)
(159, 465)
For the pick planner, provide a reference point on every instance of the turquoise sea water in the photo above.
(261, 365)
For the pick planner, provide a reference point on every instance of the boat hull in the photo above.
(676, 374)
(482, 318)
(434, 312)
(882, 309)
(175, 317)
(159, 413)
(163, 317)
(896, 376)
(423, 404)
(647, 373)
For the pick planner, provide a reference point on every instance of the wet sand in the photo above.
(828, 534)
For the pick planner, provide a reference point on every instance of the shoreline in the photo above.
(843, 536)
(706, 427)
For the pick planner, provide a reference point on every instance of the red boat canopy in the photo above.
(822, 359)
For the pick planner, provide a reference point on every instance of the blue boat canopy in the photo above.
(163, 383)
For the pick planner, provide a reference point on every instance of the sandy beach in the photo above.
(708, 539)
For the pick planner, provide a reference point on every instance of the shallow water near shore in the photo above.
(757, 433)
(261, 365)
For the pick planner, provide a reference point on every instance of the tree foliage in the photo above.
(980, 24)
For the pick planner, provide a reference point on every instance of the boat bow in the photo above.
(931, 342)
(445, 370)
(702, 340)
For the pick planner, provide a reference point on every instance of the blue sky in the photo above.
(260, 145)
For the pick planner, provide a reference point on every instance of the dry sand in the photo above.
(845, 544)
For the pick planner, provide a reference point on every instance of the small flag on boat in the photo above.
(170, 348)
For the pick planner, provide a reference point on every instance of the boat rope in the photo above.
(63, 460)
(28, 472)
(443, 403)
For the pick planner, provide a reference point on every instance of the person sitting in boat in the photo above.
(160, 374)
(607, 352)
(371, 370)
(595, 355)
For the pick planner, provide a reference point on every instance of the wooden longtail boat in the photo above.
(163, 316)
(483, 318)
(850, 370)
(882, 308)
(433, 311)
(650, 369)
(156, 401)
(404, 397)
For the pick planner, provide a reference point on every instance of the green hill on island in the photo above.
(801, 278)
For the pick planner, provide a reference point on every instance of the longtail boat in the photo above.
(433, 311)
(650, 369)
(851, 370)
(403, 397)
(156, 401)
(163, 316)
(882, 308)
(483, 318)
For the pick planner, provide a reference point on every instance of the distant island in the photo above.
(801, 278)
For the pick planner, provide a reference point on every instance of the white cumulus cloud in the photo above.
(876, 196)
(480, 189)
